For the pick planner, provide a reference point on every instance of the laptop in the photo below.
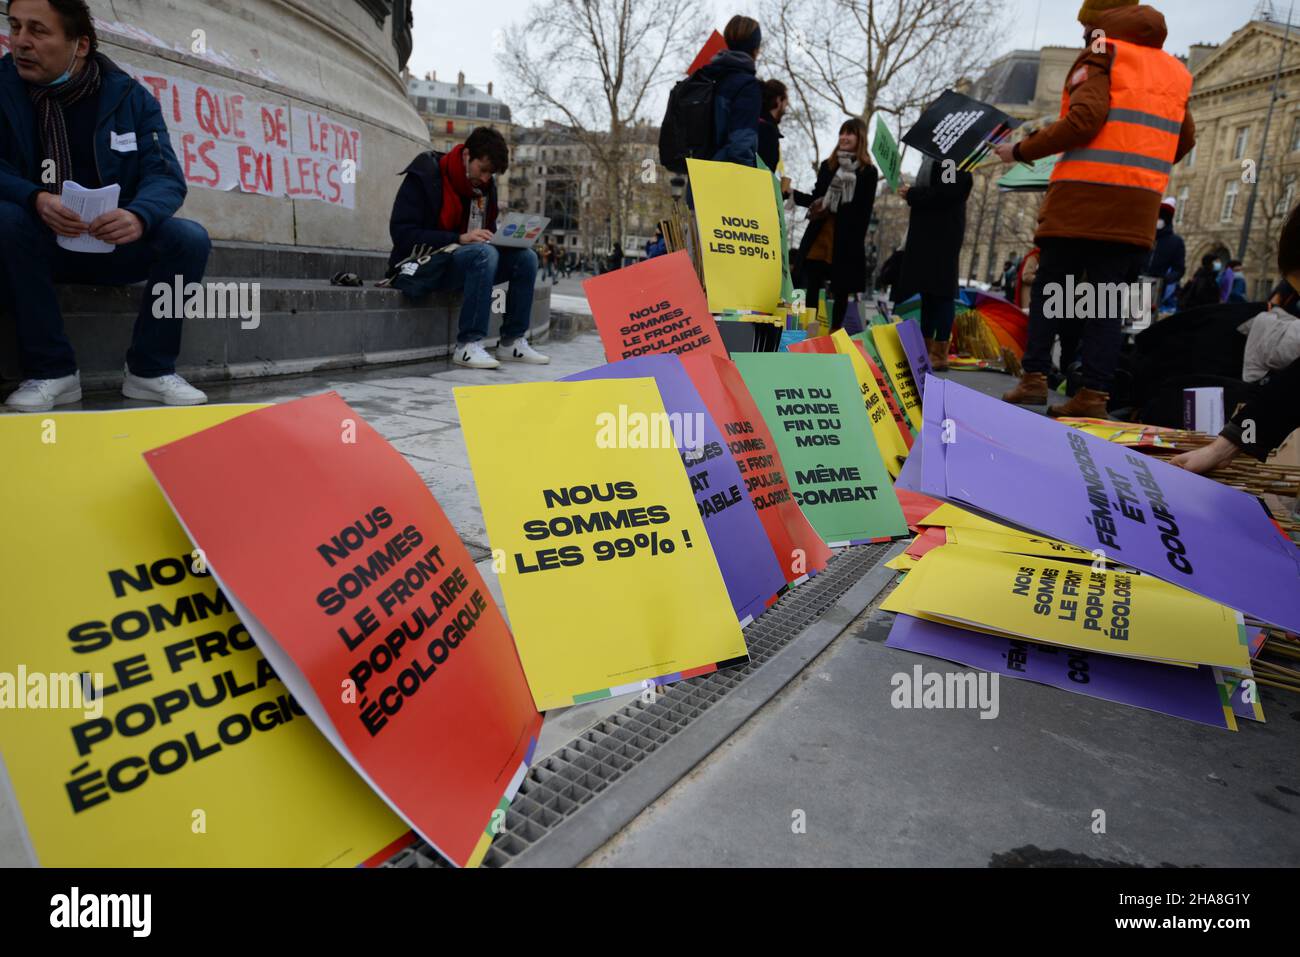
(519, 230)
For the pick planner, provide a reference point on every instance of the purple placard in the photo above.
(1191, 693)
(744, 552)
(1027, 470)
(918, 356)
(853, 318)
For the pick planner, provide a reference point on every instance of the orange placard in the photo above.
(358, 591)
(799, 549)
(652, 308)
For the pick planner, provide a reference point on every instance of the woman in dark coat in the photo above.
(934, 237)
(833, 250)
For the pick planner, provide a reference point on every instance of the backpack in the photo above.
(687, 130)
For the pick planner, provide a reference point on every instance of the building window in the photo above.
(442, 106)
(1229, 202)
(484, 110)
(451, 127)
(462, 108)
(1295, 134)
(1190, 158)
(1243, 140)
(1288, 196)
(1180, 214)
(422, 104)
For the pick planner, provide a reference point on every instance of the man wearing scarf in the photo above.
(68, 113)
(446, 211)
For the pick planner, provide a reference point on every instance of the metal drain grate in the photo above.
(559, 784)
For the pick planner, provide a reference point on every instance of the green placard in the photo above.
(885, 149)
(813, 405)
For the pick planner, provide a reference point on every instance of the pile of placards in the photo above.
(1067, 559)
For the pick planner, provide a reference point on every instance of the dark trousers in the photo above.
(1274, 412)
(31, 262)
(817, 274)
(1087, 261)
(937, 316)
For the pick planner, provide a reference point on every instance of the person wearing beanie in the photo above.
(1169, 255)
(737, 95)
(1124, 124)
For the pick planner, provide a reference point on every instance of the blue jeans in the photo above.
(32, 262)
(475, 269)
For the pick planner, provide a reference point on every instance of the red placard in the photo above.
(654, 307)
(348, 574)
(799, 549)
(714, 45)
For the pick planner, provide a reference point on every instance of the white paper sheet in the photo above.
(89, 204)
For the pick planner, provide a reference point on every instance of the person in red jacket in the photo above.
(1124, 124)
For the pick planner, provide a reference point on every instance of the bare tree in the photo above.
(863, 57)
(595, 67)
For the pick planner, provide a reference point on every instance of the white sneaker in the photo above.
(41, 395)
(521, 351)
(473, 356)
(167, 389)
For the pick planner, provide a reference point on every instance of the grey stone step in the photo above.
(271, 261)
(305, 325)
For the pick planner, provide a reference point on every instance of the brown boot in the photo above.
(939, 355)
(1084, 404)
(1031, 390)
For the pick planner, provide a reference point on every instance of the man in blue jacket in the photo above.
(69, 113)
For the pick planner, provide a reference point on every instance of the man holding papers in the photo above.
(68, 114)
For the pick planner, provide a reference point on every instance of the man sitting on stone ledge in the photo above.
(69, 113)
(450, 200)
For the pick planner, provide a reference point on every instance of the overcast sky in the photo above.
(465, 39)
(449, 44)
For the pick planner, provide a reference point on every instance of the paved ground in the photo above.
(877, 786)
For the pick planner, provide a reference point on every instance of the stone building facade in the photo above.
(1230, 101)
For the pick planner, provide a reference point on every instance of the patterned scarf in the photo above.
(50, 102)
(844, 183)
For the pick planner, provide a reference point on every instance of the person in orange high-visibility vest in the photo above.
(1124, 124)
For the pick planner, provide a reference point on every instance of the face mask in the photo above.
(1162, 224)
(1217, 265)
(67, 74)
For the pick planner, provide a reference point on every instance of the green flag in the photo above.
(885, 149)
(813, 405)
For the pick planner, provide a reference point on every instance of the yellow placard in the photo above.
(1015, 543)
(740, 235)
(899, 371)
(952, 516)
(607, 571)
(196, 757)
(883, 428)
(1064, 603)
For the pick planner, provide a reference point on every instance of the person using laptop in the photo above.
(446, 208)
